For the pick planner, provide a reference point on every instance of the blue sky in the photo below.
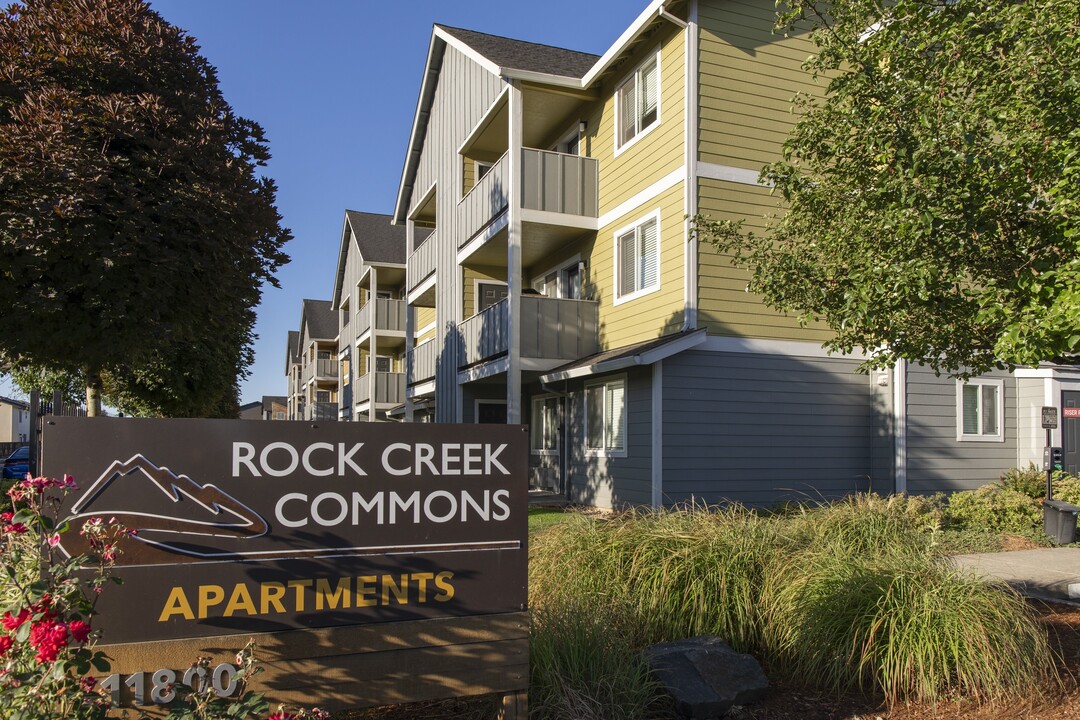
(334, 83)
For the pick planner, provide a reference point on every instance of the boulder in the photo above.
(705, 676)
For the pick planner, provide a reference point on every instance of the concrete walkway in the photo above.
(1048, 573)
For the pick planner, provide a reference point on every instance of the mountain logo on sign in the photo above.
(173, 518)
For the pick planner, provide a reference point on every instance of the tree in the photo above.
(930, 195)
(135, 232)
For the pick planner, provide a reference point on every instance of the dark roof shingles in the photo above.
(522, 55)
(321, 319)
(378, 240)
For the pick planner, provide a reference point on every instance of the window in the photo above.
(561, 282)
(322, 396)
(382, 363)
(279, 416)
(605, 418)
(980, 411)
(482, 169)
(637, 102)
(544, 433)
(637, 259)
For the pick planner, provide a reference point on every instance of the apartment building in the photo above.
(538, 268)
(312, 364)
(14, 421)
(369, 297)
(551, 279)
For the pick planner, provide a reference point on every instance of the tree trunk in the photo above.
(93, 393)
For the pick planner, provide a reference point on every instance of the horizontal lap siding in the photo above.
(725, 307)
(615, 482)
(748, 78)
(936, 460)
(761, 429)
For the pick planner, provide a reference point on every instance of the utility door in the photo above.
(1070, 429)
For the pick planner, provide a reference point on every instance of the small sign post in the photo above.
(1049, 423)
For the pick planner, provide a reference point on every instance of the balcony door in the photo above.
(489, 293)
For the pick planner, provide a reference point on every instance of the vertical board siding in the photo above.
(749, 76)
(614, 482)
(1030, 435)
(724, 305)
(761, 429)
(464, 92)
(937, 461)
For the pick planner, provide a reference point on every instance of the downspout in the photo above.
(690, 161)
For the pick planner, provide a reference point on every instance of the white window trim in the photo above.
(961, 436)
(620, 149)
(597, 452)
(541, 451)
(574, 133)
(619, 300)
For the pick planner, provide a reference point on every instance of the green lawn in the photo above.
(540, 516)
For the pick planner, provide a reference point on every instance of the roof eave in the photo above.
(648, 357)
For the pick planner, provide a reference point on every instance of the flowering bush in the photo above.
(46, 637)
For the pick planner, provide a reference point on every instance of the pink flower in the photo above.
(88, 683)
(5, 644)
(54, 539)
(282, 715)
(79, 630)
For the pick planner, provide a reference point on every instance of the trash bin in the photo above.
(1059, 521)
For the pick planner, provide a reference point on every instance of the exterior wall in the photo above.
(1030, 436)
(748, 77)
(468, 287)
(936, 460)
(480, 391)
(424, 317)
(765, 428)
(612, 482)
(660, 151)
(724, 305)
(464, 93)
(14, 423)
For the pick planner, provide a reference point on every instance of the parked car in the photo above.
(17, 464)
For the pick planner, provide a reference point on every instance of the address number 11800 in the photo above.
(161, 684)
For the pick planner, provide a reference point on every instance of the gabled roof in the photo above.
(268, 402)
(642, 353)
(292, 349)
(516, 60)
(318, 321)
(507, 53)
(376, 238)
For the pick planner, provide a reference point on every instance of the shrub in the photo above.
(1030, 481)
(581, 667)
(1066, 487)
(994, 507)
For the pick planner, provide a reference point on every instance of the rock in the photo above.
(705, 676)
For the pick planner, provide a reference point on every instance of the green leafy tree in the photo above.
(930, 195)
(135, 230)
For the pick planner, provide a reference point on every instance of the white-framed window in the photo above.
(980, 410)
(279, 416)
(544, 430)
(562, 281)
(637, 103)
(637, 259)
(605, 418)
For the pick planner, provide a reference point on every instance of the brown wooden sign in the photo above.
(246, 527)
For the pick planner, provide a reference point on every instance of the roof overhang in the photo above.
(654, 354)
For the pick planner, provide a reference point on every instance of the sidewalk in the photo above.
(1047, 574)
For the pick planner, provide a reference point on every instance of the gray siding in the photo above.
(614, 481)
(465, 91)
(761, 429)
(936, 460)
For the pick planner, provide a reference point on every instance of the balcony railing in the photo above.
(422, 362)
(389, 388)
(322, 411)
(389, 315)
(321, 369)
(421, 263)
(484, 203)
(551, 329)
(559, 183)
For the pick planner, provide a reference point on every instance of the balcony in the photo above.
(322, 411)
(321, 369)
(389, 388)
(559, 201)
(422, 360)
(553, 331)
(389, 316)
(421, 266)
